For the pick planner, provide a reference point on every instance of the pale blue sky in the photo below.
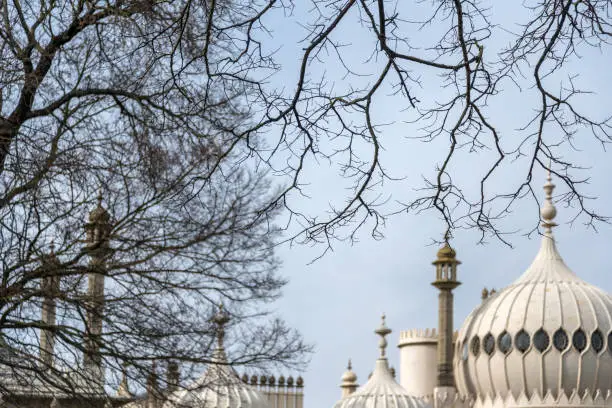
(336, 301)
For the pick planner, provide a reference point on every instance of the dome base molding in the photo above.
(583, 400)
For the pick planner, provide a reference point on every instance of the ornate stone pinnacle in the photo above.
(548, 210)
(382, 331)
(221, 318)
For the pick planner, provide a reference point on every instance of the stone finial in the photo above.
(221, 318)
(245, 378)
(281, 381)
(349, 377)
(548, 210)
(392, 371)
(485, 293)
(290, 381)
(263, 380)
(271, 381)
(492, 292)
(299, 382)
(382, 331)
(253, 380)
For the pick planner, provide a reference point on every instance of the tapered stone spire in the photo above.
(548, 210)
(383, 331)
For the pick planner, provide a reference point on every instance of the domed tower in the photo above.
(98, 231)
(219, 386)
(544, 340)
(349, 381)
(381, 390)
(446, 281)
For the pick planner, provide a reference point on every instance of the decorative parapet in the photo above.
(286, 392)
(586, 399)
(421, 336)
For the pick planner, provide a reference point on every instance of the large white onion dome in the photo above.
(547, 335)
(219, 386)
(381, 390)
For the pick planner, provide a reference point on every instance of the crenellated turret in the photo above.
(418, 361)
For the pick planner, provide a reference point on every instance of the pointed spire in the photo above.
(548, 210)
(383, 331)
(221, 318)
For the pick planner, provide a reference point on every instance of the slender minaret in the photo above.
(50, 287)
(152, 388)
(172, 377)
(98, 248)
(349, 381)
(220, 319)
(446, 280)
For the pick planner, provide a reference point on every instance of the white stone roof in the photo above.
(219, 386)
(548, 333)
(381, 390)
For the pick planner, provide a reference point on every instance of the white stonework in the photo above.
(381, 391)
(218, 387)
(418, 361)
(544, 341)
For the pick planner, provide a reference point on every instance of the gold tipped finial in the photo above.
(485, 293)
(548, 210)
(382, 331)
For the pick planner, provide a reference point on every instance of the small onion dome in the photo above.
(99, 214)
(446, 253)
(381, 390)
(271, 380)
(349, 377)
(544, 334)
(253, 380)
(290, 381)
(245, 378)
(263, 380)
(281, 381)
(299, 382)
